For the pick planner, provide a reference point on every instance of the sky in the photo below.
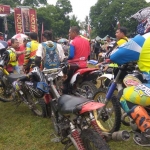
(81, 8)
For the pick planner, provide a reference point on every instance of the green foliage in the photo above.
(105, 13)
(33, 3)
(74, 21)
(53, 20)
(64, 6)
(12, 3)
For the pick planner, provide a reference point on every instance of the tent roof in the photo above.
(106, 37)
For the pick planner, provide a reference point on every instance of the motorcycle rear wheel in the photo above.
(89, 89)
(110, 119)
(92, 140)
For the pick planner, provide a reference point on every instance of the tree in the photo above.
(12, 3)
(53, 20)
(33, 3)
(105, 13)
(65, 6)
(74, 21)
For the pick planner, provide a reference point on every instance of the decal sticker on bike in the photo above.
(130, 80)
(142, 90)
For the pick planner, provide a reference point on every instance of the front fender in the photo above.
(104, 76)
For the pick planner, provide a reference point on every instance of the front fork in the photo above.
(75, 138)
(95, 125)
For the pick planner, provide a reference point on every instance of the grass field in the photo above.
(21, 130)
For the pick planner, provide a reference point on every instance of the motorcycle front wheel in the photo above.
(92, 140)
(6, 93)
(110, 118)
(38, 106)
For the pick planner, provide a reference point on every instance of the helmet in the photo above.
(38, 75)
(143, 17)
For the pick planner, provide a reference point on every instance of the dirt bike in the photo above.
(81, 82)
(111, 117)
(20, 88)
(73, 118)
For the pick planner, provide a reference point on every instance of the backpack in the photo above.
(52, 56)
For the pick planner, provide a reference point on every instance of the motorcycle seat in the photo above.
(13, 77)
(70, 104)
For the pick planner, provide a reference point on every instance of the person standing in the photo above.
(31, 48)
(96, 48)
(22, 48)
(49, 53)
(13, 54)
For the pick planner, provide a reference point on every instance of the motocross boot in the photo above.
(142, 119)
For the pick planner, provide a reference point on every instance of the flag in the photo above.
(33, 20)
(5, 23)
(42, 30)
(118, 24)
(25, 20)
(89, 30)
(18, 20)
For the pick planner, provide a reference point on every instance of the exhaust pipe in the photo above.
(121, 136)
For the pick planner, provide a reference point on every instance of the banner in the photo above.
(4, 9)
(33, 20)
(42, 30)
(18, 20)
(25, 19)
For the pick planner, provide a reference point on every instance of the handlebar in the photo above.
(52, 73)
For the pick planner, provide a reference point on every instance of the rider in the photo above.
(78, 55)
(136, 98)
(121, 39)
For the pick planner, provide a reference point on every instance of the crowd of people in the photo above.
(100, 47)
(49, 54)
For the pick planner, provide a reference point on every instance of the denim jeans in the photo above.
(17, 69)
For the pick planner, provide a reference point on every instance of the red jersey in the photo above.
(21, 57)
(82, 48)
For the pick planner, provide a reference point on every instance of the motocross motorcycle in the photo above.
(81, 82)
(19, 88)
(73, 118)
(111, 116)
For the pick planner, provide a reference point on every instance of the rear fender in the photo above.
(93, 75)
(81, 72)
(74, 77)
(90, 106)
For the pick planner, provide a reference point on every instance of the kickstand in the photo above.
(56, 139)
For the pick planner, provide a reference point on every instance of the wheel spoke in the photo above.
(109, 115)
